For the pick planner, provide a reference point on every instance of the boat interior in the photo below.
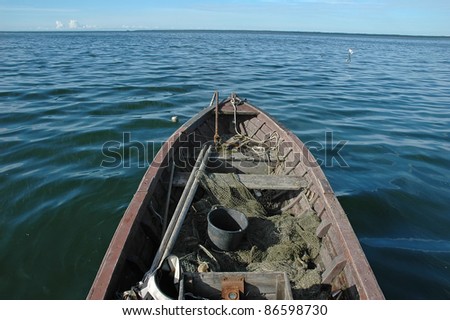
(292, 242)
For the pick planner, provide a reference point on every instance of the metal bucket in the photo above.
(226, 227)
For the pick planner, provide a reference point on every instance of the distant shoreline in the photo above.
(231, 31)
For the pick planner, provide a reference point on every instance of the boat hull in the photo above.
(139, 233)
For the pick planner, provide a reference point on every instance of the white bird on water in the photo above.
(350, 52)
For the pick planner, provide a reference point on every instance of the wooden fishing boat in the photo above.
(233, 156)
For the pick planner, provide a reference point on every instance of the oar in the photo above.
(178, 217)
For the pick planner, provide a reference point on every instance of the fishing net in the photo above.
(226, 190)
(281, 242)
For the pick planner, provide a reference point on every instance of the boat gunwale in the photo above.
(108, 268)
(368, 288)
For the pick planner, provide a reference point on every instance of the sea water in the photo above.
(378, 123)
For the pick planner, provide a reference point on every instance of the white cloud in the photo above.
(59, 24)
(73, 24)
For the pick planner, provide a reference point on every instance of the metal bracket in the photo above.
(232, 288)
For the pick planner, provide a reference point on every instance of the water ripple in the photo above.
(64, 95)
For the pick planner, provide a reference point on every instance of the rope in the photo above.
(262, 149)
(216, 133)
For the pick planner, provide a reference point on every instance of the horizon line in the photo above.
(221, 30)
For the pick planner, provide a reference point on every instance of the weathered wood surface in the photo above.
(252, 181)
(337, 265)
(267, 285)
(238, 156)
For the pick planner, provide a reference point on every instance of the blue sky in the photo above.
(409, 17)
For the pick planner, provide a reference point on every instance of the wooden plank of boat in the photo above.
(253, 181)
(344, 268)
